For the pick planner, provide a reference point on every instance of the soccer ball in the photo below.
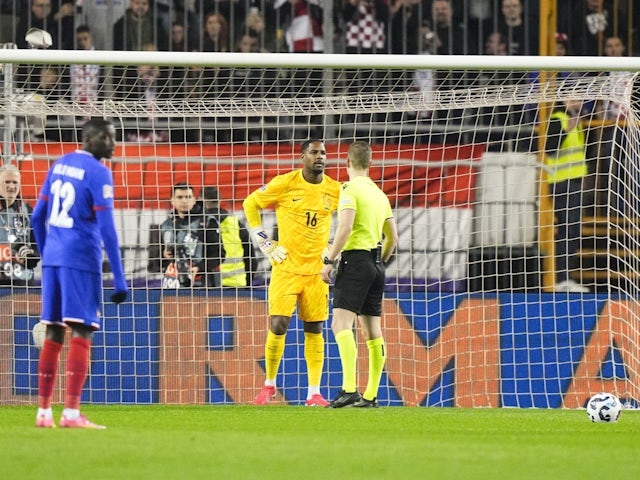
(39, 333)
(604, 407)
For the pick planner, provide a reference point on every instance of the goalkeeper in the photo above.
(304, 201)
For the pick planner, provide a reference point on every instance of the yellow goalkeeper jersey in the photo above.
(303, 212)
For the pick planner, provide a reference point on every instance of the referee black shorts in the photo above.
(360, 281)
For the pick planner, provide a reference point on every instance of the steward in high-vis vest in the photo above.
(231, 267)
(237, 262)
(566, 149)
(566, 167)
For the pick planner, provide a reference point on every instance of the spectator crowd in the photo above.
(414, 27)
(358, 26)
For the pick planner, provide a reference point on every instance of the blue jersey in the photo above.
(76, 186)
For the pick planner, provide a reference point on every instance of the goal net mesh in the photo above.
(477, 312)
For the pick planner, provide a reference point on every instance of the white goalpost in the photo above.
(474, 312)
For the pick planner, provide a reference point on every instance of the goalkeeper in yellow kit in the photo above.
(304, 201)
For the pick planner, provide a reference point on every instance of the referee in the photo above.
(365, 239)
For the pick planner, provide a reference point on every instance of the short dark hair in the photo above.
(93, 126)
(181, 186)
(305, 145)
(210, 193)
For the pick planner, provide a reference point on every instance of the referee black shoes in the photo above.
(364, 403)
(345, 399)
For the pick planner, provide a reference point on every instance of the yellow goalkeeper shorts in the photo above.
(309, 292)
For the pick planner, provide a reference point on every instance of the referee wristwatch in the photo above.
(327, 261)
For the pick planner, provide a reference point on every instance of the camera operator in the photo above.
(18, 252)
(182, 238)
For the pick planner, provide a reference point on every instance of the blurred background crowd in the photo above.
(408, 27)
(492, 27)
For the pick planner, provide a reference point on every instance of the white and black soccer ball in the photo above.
(604, 407)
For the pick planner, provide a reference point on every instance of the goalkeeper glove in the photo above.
(118, 297)
(121, 291)
(274, 252)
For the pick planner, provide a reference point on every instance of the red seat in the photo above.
(189, 172)
(338, 173)
(245, 181)
(221, 177)
(160, 177)
(271, 171)
(127, 181)
(375, 172)
(157, 181)
(458, 188)
(33, 172)
(419, 178)
(396, 183)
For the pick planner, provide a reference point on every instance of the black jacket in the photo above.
(15, 234)
(186, 238)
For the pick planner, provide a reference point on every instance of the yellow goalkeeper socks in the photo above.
(348, 357)
(314, 355)
(377, 357)
(273, 350)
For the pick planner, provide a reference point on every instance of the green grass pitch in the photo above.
(278, 442)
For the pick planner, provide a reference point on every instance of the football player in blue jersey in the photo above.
(72, 219)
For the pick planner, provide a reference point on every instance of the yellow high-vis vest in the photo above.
(232, 269)
(570, 161)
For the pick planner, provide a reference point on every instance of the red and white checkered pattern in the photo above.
(367, 33)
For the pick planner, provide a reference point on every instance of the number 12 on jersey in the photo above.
(64, 196)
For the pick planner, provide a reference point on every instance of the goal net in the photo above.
(505, 290)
